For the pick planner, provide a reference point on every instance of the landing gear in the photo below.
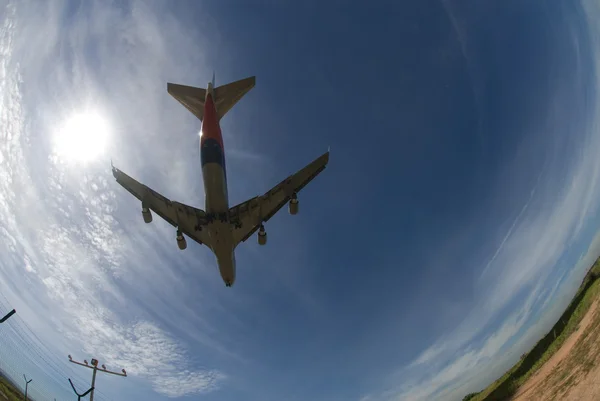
(227, 284)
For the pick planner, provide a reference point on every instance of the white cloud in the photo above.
(63, 239)
(469, 361)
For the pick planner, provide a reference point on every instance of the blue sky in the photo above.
(456, 217)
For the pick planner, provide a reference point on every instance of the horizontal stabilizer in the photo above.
(192, 98)
(228, 95)
(224, 97)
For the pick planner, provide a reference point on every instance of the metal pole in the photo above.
(94, 366)
(93, 383)
(26, 385)
(76, 393)
(9, 314)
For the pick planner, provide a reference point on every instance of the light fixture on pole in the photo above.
(95, 368)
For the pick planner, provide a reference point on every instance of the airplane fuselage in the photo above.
(214, 173)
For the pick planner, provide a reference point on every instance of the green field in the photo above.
(8, 391)
(508, 384)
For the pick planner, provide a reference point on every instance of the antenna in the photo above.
(213, 80)
(9, 314)
(94, 366)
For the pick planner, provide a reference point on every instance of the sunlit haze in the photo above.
(82, 137)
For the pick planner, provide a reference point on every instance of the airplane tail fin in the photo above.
(225, 96)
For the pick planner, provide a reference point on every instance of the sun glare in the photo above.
(82, 137)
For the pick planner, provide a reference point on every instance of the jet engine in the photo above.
(262, 236)
(293, 206)
(147, 215)
(181, 242)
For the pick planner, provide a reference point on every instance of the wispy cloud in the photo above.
(517, 275)
(63, 239)
(87, 274)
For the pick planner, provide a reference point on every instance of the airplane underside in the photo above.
(220, 227)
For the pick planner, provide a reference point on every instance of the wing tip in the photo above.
(115, 171)
(251, 80)
(170, 88)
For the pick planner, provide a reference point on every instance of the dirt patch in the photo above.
(573, 372)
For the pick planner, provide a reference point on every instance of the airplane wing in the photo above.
(190, 220)
(248, 216)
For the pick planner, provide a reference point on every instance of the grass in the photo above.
(9, 391)
(582, 359)
(568, 323)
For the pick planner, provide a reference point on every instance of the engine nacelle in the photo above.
(147, 215)
(181, 242)
(293, 206)
(262, 236)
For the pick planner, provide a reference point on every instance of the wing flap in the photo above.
(149, 198)
(247, 217)
(190, 220)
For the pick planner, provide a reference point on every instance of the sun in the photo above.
(82, 137)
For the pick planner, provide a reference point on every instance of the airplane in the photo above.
(220, 227)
